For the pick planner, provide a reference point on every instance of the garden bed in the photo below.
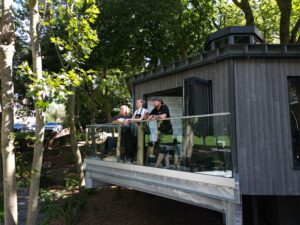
(114, 206)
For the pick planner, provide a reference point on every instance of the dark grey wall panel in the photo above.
(264, 148)
(217, 72)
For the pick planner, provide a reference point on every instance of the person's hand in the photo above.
(126, 122)
(150, 117)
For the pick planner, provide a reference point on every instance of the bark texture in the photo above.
(73, 137)
(285, 7)
(294, 33)
(7, 49)
(40, 118)
(244, 5)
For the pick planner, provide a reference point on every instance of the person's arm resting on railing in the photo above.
(159, 113)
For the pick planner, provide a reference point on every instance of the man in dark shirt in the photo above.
(161, 112)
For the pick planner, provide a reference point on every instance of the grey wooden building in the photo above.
(259, 85)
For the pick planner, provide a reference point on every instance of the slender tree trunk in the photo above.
(244, 5)
(1, 170)
(106, 104)
(285, 7)
(73, 137)
(40, 118)
(294, 32)
(7, 49)
(77, 120)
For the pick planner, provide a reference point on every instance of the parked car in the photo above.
(53, 126)
(20, 127)
(31, 128)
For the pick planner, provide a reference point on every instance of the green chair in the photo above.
(210, 141)
(198, 140)
(166, 139)
(223, 141)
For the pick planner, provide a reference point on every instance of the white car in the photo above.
(53, 126)
(31, 128)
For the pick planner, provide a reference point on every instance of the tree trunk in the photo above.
(73, 137)
(285, 7)
(1, 170)
(40, 118)
(246, 8)
(77, 120)
(295, 31)
(7, 49)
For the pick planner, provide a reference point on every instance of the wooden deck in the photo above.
(208, 191)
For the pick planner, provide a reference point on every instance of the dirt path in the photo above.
(108, 207)
(23, 205)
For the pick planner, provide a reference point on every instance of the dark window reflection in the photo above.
(221, 43)
(294, 101)
(241, 39)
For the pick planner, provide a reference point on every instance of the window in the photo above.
(241, 39)
(221, 43)
(294, 102)
(257, 41)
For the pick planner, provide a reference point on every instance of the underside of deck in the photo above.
(212, 192)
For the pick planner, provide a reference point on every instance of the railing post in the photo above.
(87, 144)
(140, 145)
(233, 214)
(89, 183)
(93, 133)
(118, 149)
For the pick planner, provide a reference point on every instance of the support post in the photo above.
(88, 180)
(140, 145)
(118, 149)
(93, 133)
(234, 214)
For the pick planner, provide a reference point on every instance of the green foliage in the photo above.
(140, 34)
(77, 39)
(72, 208)
(69, 208)
(267, 17)
(74, 46)
(50, 208)
(101, 97)
(135, 35)
(71, 182)
(226, 13)
(24, 151)
(52, 88)
(266, 14)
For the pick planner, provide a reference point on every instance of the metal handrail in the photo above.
(113, 125)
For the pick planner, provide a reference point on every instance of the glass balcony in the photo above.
(194, 144)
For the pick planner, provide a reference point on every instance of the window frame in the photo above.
(296, 165)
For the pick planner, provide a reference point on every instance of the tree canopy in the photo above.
(138, 35)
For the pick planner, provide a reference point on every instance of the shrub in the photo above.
(71, 182)
(71, 210)
(49, 206)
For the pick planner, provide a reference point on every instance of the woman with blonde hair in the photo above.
(140, 112)
(127, 152)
